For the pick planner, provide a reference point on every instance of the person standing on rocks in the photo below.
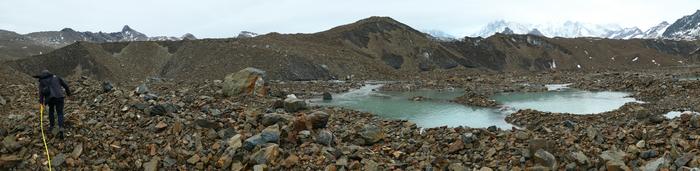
(51, 94)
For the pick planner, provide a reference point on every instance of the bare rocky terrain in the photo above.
(162, 105)
(194, 126)
(374, 48)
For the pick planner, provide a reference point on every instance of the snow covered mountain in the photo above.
(685, 28)
(566, 29)
(186, 36)
(626, 33)
(655, 32)
(507, 31)
(247, 34)
(439, 35)
(67, 36)
(500, 25)
(577, 29)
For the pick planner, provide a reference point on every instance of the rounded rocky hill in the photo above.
(372, 48)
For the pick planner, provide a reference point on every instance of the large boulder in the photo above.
(546, 159)
(267, 155)
(580, 157)
(325, 137)
(327, 96)
(318, 119)
(107, 86)
(648, 154)
(371, 134)
(249, 81)
(695, 121)
(468, 138)
(10, 143)
(615, 165)
(657, 164)
(2, 101)
(269, 134)
(273, 118)
(142, 89)
(536, 144)
(152, 165)
(157, 110)
(292, 104)
(614, 160)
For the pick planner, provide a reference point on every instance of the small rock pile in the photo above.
(472, 98)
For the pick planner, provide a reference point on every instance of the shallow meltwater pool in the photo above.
(689, 78)
(436, 110)
(565, 101)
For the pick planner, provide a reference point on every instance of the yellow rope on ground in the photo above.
(43, 137)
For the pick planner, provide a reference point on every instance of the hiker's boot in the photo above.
(60, 132)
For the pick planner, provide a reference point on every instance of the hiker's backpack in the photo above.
(46, 90)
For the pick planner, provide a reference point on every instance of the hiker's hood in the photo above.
(44, 74)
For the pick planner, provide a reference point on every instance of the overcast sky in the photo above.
(225, 18)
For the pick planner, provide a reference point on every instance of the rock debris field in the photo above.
(161, 124)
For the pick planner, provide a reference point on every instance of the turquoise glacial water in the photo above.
(436, 110)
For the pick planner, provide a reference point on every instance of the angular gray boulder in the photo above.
(292, 104)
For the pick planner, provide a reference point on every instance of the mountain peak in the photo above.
(507, 31)
(685, 28)
(378, 19)
(126, 28)
(535, 32)
(247, 34)
(67, 30)
(439, 35)
(373, 24)
(188, 36)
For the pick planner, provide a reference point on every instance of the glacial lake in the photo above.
(565, 101)
(436, 109)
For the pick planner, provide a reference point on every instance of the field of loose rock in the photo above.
(161, 124)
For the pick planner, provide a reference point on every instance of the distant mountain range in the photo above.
(685, 28)
(14, 45)
(378, 48)
(68, 36)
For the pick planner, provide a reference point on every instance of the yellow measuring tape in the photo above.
(43, 137)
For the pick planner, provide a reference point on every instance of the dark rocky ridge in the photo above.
(685, 28)
(373, 48)
(68, 36)
(535, 32)
(15, 46)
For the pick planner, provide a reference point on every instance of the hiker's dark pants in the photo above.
(56, 105)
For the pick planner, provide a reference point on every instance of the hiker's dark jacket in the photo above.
(53, 83)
